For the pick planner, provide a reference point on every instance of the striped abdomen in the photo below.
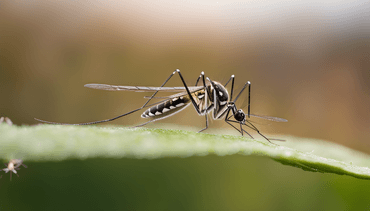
(169, 106)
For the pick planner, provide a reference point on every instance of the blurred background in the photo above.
(308, 62)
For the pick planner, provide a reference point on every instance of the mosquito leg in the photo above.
(232, 76)
(205, 99)
(232, 86)
(227, 120)
(206, 125)
(249, 100)
(206, 90)
(193, 101)
(248, 134)
(114, 118)
(196, 83)
(265, 137)
(227, 114)
(145, 123)
(245, 85)
(158, 90)
(255, 128)
(190, 96)
(239, 122)
(233, 127)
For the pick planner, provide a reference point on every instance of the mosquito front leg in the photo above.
(227, 120)
(255, 128)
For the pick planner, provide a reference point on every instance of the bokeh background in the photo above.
(308, 62)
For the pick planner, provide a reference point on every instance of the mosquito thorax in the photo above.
(220, 91)
(239, 115)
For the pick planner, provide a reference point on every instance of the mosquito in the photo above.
(206, 98)
(12, 166)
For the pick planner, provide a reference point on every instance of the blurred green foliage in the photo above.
(100, 179)
(59, 142)
(196, 183)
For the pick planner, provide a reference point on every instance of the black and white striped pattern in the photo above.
(170, 105)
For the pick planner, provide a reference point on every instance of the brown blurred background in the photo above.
(307, 62)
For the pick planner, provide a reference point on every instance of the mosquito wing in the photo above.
(275, 119)
(181, 94)
(141, 88)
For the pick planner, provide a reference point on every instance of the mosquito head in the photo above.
(240, 116)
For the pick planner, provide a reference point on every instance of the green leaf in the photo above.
(59, 142)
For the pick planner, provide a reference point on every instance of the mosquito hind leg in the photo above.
(145, 123)
(114, 118)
